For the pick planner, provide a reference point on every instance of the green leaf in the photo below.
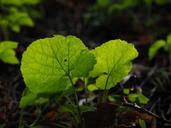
(122, 5)
(30, 2)
(137, 97)
(169, 39)
(92, 87)
(27, 99)
(30, 99)
(16, 19)
(148, 2)
(142, 123)
(113, 62)
(19, 2)
(126, 91)
(11, 2)
(3, 22)
(155, 47)
(49, 64)
(161, 2)
(168, 43)
(103, 3)
(15, 28)
(7, 53)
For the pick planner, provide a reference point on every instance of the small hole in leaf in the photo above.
(65, 60)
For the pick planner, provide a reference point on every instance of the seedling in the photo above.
(138, 98)
(160, 44)
(7, 53)
(52, 65)
(15, 14)
(103, 10)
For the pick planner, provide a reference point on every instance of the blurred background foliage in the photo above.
(126, 18)
(15, 14)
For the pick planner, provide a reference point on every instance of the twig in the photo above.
(143, 110)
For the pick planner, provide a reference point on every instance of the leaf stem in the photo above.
(105, 89)
(76, 99)
(86, 89)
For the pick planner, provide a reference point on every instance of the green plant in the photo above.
(125, 4)
(51, 66)
(104, 11)
(159, 44)
(142, 123)
(7, 53)
(15, 14)
(138, 98)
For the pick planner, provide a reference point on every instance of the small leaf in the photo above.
(161, 2)
(11, 2)
(15, 28)
(31, 98)
(169, 39)
(140, 98)
(148, 2)
(92, 87)
(126, 91)
(49, 64)
(30, 2)
(27, 99)
(142, 123)
(7, 53)
(103, 3)
(17, 19)
(122, 5)
(113, 62)
(168, 44)
(155, 47)
(20, 2)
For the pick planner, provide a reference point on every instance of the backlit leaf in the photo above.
(168, 43)
(113, 62)
(49, 64)
(32, 99)
(155, 47)
(138, 98)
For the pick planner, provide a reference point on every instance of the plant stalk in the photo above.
(76, 100)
